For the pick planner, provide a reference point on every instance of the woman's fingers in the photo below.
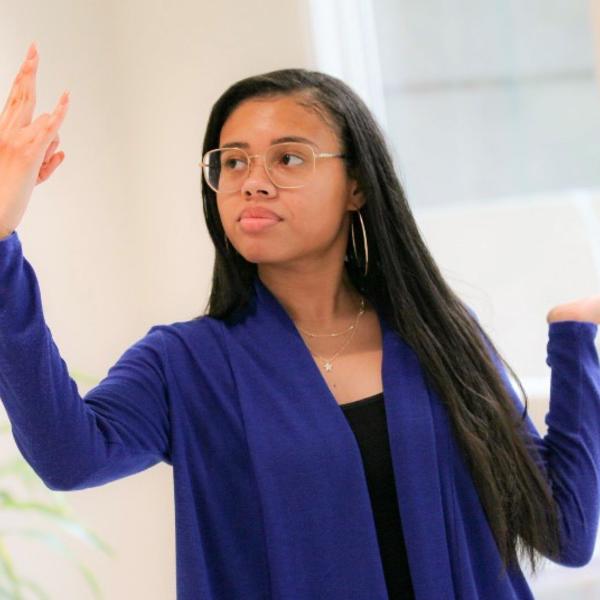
(52, 147)
(29, 91)
(49, 166)
(45, 127)
(20, 104)
(13, 93)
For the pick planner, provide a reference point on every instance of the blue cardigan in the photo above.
(271, 500)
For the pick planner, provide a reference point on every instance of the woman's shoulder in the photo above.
(204, 334)
(202, 328)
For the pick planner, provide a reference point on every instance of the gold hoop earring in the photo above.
(365, 243)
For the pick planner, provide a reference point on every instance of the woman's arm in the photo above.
(570, 450)
(120, 427)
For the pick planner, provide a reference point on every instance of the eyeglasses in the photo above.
(288, 165)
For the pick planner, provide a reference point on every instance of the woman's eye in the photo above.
(231, 164)
(288, 160)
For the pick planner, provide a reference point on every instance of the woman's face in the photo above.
(314, 220)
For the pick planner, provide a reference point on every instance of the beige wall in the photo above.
(117, 236)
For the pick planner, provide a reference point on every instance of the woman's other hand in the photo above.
(584, 309)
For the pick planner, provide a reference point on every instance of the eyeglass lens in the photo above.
(289, 165)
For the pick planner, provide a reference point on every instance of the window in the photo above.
(479, 100)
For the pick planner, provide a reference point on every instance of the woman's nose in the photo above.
(258, 181)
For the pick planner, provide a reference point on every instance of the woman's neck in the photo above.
(316, 303)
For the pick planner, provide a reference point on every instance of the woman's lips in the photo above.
(254, 224)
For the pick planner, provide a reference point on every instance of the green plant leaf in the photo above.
(9, 571)
(91, 581)
(32, 482)
(33, 586)
(22, 470)
(55, 543)
(7, 500)
(60, 516)
(79, 531)
(4, 593)
(84, 534)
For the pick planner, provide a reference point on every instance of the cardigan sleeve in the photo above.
(118, 428)
(570, 449)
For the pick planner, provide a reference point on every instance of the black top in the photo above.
(368, 422)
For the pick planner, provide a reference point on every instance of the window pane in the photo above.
(488, 99)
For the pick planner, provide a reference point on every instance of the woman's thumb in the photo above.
(49, 166)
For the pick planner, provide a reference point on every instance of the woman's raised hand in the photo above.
(27, 148)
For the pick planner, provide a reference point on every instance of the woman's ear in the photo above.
(356, 198)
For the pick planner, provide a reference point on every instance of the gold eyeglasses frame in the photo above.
(204, 164)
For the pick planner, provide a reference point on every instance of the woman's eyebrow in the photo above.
(279, 140)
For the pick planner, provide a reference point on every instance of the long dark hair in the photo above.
(404, 283)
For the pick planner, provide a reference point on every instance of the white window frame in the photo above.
(344, 41)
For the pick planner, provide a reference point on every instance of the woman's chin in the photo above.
(260, 255)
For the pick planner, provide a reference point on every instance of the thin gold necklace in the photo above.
(362, 306)
(328, 364)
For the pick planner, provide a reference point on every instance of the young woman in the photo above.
(338, 422)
